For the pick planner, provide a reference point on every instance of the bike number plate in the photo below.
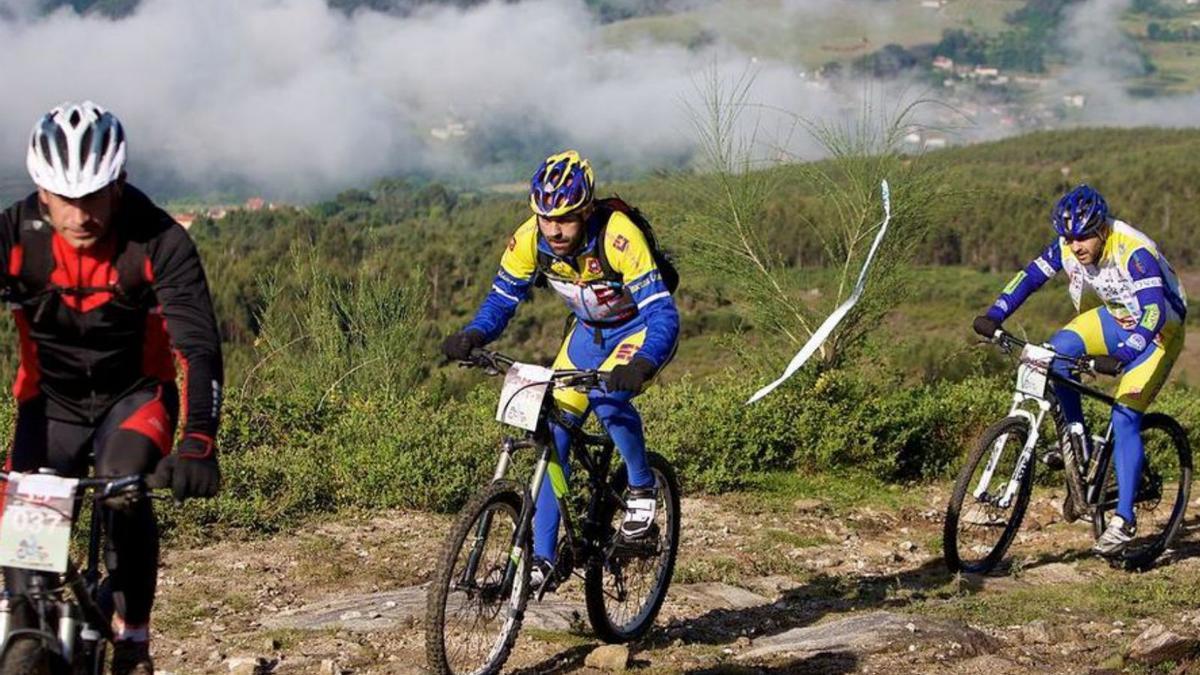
(35, 528)
(1031, 374)
(521, 398)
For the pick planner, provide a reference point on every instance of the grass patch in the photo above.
(563, 639)
(716, 568)
(779, 491)
(794, 539)
(1125, 597)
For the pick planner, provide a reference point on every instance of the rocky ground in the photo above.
(766, 583)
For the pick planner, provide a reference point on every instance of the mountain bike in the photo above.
(993, 489)
(59, 624)
(477, 600)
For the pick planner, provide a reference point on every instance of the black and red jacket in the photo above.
(96, 324)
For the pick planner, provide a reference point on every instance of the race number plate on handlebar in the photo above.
(35, 529)
(1031, 375)
(521, 398)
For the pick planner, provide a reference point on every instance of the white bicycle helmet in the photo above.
(76, 149)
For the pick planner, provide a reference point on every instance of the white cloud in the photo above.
(298, 100)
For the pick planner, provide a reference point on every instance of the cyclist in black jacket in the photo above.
(108, 293)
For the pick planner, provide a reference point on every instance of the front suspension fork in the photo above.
(485, 523)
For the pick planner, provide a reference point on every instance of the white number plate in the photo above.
(1031, 374)
(521, 398)
(35, 528)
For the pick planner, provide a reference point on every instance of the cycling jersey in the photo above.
(599, 303)
(98, 323)
(1132, 279)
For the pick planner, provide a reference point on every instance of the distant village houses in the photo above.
(187, 218)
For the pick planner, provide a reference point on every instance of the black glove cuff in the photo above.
(643, 366)
(197, 446)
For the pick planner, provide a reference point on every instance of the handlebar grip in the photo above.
(987, 327)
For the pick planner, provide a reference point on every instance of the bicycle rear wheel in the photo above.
(1162, 494)
(472, 616)
(978, 529)
(627, 586)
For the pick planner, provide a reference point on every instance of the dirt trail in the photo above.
(761, 586)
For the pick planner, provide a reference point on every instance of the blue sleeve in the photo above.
(657, 308)
(1148, 289)
(500, 304)
(1026, 282)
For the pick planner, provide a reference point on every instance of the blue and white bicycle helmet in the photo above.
(1079, 213)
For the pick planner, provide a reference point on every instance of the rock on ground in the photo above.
(868, 633)
(1157, 644)
(608, 657)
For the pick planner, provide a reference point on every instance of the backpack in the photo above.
(662, 259)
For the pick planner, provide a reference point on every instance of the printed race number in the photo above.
(35, 528)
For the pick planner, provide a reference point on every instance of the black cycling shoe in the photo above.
(131, 658)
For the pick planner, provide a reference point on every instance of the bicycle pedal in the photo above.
(551, 585)
(646, 544)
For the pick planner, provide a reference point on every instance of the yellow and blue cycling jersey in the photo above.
(601, 303)
(1132, 279)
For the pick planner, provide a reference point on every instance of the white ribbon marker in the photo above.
(818, 338)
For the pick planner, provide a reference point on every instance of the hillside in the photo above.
(332, 313)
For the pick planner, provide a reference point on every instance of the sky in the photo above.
(297, 101)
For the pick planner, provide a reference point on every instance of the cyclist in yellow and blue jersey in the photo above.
(1136, 332)
(625, 322)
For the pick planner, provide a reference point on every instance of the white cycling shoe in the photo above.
(1116, 537)
(641, 505)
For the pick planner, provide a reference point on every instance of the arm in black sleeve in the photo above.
(182, 292)
(10, 222)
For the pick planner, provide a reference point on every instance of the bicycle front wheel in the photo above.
(980, 524)
(476, 601)
(27, 655)
(1162, 494)
(626, 586)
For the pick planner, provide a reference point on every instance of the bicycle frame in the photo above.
(581, 539)
(1021, 408)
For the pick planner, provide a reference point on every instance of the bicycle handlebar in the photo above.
(1007, 341)
(108, 487)
(496, 363)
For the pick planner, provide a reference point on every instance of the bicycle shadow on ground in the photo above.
(804, 605)
(798, 607)
(1185, 546)
(825, 663)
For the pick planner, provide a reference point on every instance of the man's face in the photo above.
(1088, 249)
(85, 220)
(565, 233)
